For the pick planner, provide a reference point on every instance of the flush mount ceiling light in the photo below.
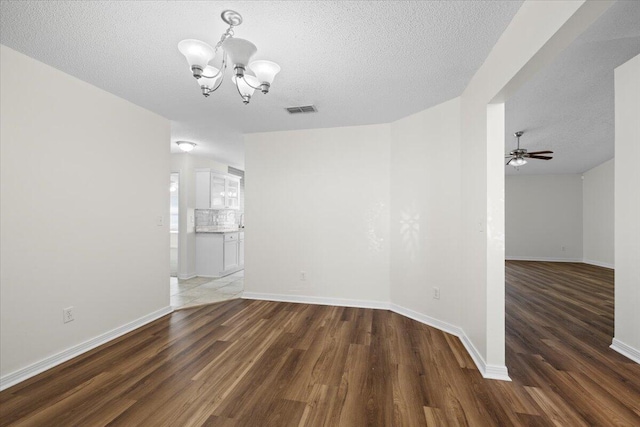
(238, 53)
(186, 146)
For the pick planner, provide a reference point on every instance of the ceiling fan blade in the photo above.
(510, 160)
(540, 157)
(541, 152)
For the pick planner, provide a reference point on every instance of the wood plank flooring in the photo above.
(258, 363)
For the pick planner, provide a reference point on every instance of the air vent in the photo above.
(303, 109)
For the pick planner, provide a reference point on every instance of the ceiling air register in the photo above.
(238, 53)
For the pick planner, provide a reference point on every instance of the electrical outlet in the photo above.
(67, 315)
(160, 221)
(303, 275)
(436, 293)
(563, 248)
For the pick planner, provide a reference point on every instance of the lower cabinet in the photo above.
(231, 252)
(219, 254)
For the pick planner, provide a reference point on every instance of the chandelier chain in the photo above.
(225, 35)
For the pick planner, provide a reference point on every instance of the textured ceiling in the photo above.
(359, 62)
(569, 107)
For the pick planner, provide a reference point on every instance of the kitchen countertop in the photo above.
(217, 230)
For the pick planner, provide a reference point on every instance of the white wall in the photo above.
(543, 216)
(318, 201)
(627, 208)
(425, 212)
(598, 215)
(294, 189)
(186, 164)
(84, 177)
(545, 213)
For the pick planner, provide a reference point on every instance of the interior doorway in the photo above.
(560, 218)
(174, 189)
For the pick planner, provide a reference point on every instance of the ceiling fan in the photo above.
(518, 156)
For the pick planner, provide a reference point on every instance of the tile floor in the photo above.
(204, 290)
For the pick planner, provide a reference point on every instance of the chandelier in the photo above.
(238, 53)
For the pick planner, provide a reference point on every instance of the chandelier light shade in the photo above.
(198, 55)
(265, 72)
(240, 52)
(246, 84)
(210, 78)
(186, 146)
(237, 52)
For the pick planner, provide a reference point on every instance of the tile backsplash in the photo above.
(222, 218)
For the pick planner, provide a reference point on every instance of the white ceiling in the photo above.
(359, 62)
(568, 108)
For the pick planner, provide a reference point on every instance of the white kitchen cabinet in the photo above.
(219, 254)
(231, 251)
(232, 199)
(218, 185)
(216, 190)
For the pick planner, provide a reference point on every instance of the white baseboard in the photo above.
(599, 264)
(186, 276)
(223, 273)
(625, 350)
(427, 320)
(27, 372)
(543, 259)
(494, 372)
(303, 299)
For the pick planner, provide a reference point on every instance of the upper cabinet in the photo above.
(233, 192)
(216, 190)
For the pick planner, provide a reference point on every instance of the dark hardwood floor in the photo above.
(256, 363)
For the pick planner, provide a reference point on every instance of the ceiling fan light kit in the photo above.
(237, 52)
(518, 161)
(518, 156)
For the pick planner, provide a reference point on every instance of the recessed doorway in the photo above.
(174, 189)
